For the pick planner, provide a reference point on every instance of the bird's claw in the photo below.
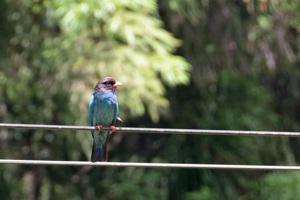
(113, 128)
(99, 128)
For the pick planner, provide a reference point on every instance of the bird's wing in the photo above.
(91, 110)
(115, 114)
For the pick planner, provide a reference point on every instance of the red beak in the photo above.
(117, 84)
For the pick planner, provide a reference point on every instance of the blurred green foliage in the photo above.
(184, 64)
(275, 186)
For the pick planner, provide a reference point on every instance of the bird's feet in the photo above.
(99, 128)
(113, 128)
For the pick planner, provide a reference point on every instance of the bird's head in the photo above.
(107, 84)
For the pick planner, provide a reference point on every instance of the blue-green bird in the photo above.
(103, 111)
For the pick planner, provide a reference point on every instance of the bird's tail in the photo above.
(99, 154)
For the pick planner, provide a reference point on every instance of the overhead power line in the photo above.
(151, 130)
(154, 131)
(149, 165)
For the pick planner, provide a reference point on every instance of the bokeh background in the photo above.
(194, 64)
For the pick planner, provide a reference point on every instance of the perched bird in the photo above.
(103, 111)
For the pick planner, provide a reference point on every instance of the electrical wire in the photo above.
(151, 130)
(154, 131)
(149, 165)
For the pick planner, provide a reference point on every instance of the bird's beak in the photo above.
(117, 84)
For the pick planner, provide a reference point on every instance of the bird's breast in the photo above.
(104, 109)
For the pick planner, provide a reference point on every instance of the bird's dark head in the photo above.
(107, 84)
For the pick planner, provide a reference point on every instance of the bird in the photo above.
(103, 111)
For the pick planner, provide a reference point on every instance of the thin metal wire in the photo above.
(151, 130)
(154, 131)
(149, 165)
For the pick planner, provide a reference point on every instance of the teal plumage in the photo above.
(103, 111)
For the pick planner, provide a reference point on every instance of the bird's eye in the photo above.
(108, 83)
